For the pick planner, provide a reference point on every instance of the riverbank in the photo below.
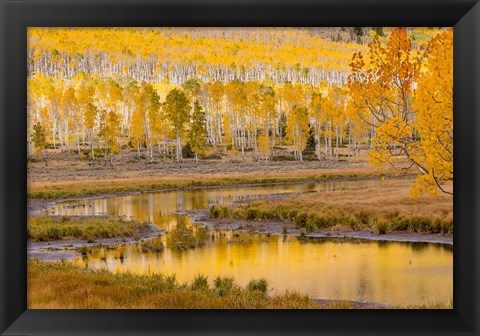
(282, 196)
(100, 289)
(290, 229)
(35, 206)
(60, 237)
(383, 212)
(88, 289)
(66, 182)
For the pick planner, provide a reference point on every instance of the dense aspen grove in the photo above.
(168, 93)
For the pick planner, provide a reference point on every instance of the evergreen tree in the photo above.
(198, 132)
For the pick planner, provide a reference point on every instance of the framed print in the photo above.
(249, 167)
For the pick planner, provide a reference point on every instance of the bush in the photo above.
(187, 151)
(447, 226)
(224, 285)
(415, 224)
(399, 224)
(218, 212)
(352, 222)
(237, 213)
(260, 285)
(200, 282)
(251, 214)
(364, 216)
(311, 223)
(301, 219)
(171, 281)
(54, 233)
(381, 226)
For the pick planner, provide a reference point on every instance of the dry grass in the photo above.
(66, 189)
(44, 228)
(60, 285)
(386, 207)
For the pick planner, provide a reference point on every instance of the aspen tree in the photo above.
(40, 140)
(297, 130)
(111, 133)
(176, 106)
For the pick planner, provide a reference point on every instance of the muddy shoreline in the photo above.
(36, 205)
(68, 249)
(354, 304)
(278, 228)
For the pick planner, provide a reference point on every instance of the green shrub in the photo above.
(214, 211)
(171, 281)
(301, 219)
(187, 151)
(322, 222)
(260, 285)
(399, 224)
(415, 224)
(200, 282)
(54, 233)
(352, 222)
(447, 226)
(251, 214)
(224, 285)
(381, 226)
(310, 224)
(364, 216)
(237, 213)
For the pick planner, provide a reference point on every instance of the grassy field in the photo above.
(383, 208)
(59, 190)
(84, 288)
(70, 177)
(44, 228)
(87, 289)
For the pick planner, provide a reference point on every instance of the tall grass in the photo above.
(324, 216)
(381, 208)
(185, 238)
(44, 228)
(61, 285)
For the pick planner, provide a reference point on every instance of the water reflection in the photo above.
(389, 272)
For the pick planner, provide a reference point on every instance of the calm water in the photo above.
(393, 273)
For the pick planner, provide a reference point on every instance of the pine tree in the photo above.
(198, 132)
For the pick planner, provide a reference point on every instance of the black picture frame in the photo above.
(16, 16)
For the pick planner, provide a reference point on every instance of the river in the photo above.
(395, 273)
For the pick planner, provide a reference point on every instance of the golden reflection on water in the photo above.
(394, 273)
